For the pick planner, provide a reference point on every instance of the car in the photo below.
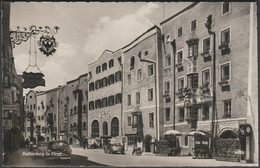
(59, 149)
(42, 147)
(114, 148)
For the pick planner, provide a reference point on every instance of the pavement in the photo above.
(151, 160)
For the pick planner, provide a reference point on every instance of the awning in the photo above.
(172, 132)
(192, 133)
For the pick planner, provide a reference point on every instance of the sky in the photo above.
(86, 30)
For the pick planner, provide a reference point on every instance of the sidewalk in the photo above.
(150, 160)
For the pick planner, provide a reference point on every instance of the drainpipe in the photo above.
(87, 108)
(173, 44)
(121, 65)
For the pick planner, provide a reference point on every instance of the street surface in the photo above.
(16, 158)
(150, 160)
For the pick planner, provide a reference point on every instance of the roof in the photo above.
(101, 56)
(180, 12)
(86, 74)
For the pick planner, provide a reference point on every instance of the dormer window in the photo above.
(132, 63)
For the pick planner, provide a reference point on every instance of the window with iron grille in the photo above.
(111, 63)
(131, 140)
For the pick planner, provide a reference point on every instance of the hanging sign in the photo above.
(32, 80)
(47, 45)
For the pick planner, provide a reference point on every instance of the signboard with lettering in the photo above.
(32, 80)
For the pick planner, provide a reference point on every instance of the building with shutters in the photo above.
(189, 56)
(105, 96)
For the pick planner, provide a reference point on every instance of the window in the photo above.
(111, 63)
(167, 87)
(225, 7)
(150, 94)
(131, 140)
(111, 79)
(225, 36)
(129, 78)
(145, 53)
(71, 111)
(150, 70)
(75, 95)
(129, 100)
(129, 121)
(54, 117)
(193, 25)
(132, 63)
(193, 50)
(180, 83)
(179, 32)
(104, 102)
(151, 120)
(34, 106)
(205, 112)
(139, 74)
(186, 140)
(180, 56)
(98, 104)
(97, 84)
(111, 100)
(206, 45)
(104, 81)
(138, 98)
(115, 127)
(91, 86)
(205, 77)
(98, 69)
(91, 105)
(193, 81)
(84, 108)
(225, 72)
(84, 125)
(118, 98)
(227, 109)
(181, 114)
(95, 129)
(30, 107)
(168, 60)
(168, 38)
(75, 109)
(167, 114)
(104, 66)
(118, 76)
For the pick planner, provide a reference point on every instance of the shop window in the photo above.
(139, 74)
(180, 83)
(104, 66)
(132, 63)
(167, 114)
(181, 114)
(118, 98)
(128, 100)
(227, 109)
(111, 100)
(104, 102)
(225, 7)
(91, 105)
(129, 121)
(193, 81)
(167, 60)
(206, 45)
(129, 78)
(225, 72)
(151, 120)
(111, 63)
(179, 32)
(225, 36)
(205, 77)
(193, 25)
(150, 94)
(98, 69)
(138, 98)
(150, 70)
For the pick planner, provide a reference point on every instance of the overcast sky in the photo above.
(86, 30)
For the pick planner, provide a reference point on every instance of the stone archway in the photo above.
(228, 133)
(147, 143)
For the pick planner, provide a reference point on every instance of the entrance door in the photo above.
(147, 143)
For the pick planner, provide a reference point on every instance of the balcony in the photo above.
(224, 48)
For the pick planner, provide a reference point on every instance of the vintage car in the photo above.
(114, 148)
(42, 147)
(58, 149)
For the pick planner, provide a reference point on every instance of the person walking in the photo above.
(84, 144)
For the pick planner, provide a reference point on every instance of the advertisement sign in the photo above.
(32, 80)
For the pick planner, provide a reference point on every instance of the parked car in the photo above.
(59, 149)
(42, 147)
(114, 148)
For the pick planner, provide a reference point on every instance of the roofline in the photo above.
(106, 50)
(86, 74)
(180, 12)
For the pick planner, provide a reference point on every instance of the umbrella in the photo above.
(192, 133)
(172, 132)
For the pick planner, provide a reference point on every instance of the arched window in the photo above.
(132, 63)
(95, 129)
(115, 127)
(105, 128)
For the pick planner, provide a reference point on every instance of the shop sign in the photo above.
(104, 114)
(32, 80)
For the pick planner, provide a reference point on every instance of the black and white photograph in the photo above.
(129, 84)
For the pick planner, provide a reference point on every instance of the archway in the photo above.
(95, 129)
(41, 138)
(105, 128)
(115, 127)
(147, 143)
(225, 134)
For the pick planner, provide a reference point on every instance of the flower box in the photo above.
(224, 49)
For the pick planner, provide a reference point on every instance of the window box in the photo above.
(166, 93)
(179, 65)
(205, 54)
(223, 83)
(205, 88)
(224, 49)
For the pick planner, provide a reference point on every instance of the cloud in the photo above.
(112, 34)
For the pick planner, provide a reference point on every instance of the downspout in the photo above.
(87, 108)
(121, 65)
(173, 43)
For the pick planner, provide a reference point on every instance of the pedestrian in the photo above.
(84, 144)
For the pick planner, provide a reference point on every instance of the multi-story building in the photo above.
(41, 117)
(142, 81)
(105, 96)
(200, 63)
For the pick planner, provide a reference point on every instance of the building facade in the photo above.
(105, 96)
